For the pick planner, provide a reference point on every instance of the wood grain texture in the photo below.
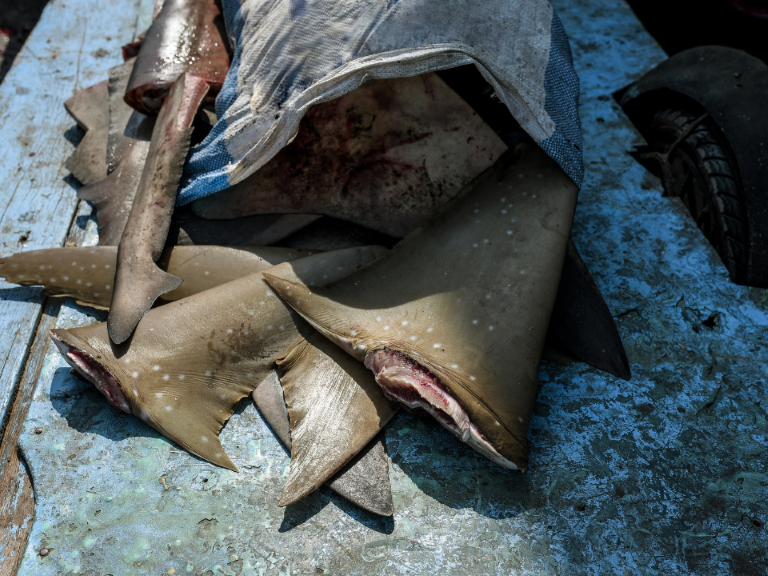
(17, 505)
(73, 46)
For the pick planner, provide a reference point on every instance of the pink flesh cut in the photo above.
(96, 374)
(403, 380)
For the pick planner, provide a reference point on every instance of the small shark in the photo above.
(386, 156)
(138, 280)
(453, 319)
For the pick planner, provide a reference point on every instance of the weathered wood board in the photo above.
(664, 474)
(72, 46)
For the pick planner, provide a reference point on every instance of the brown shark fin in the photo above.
(364, 480)
(453, 319)
(179, 399)
(326, 391)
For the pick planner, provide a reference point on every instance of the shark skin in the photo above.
(189, 363)
(185, 38)
(138, 280)
(385, 156)
(87, 106)
(453, 319)
(364, 480)
(127, 147)
(90, 109)
(320, 382)
(88, 273)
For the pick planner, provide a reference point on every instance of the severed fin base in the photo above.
(364, 480)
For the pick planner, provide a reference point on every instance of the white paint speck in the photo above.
(430, 329)
(166, 377)
(155, 367)
(229, 330)
(181, 376)
(204, 438)
(490, 327)
(135, 374)
(168, 408)
(436, 345)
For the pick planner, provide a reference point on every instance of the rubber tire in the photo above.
(705, 174)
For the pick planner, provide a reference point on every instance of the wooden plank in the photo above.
(73, 46)
(17, 502)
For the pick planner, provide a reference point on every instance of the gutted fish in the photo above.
(385, 156)
(453, 319)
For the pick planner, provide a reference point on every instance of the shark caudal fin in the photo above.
(136, 289)
(336, 409)
(364, 480)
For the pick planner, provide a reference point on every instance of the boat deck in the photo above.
(665, 473)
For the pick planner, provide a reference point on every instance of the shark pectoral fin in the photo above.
(581, 321)
(192, 415)
(84, 273)
(270, 401)
(335, 407)
(183, 404)
(135, 295)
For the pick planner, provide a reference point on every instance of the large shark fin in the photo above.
(181, 399)
(325, 392)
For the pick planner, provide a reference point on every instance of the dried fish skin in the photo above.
(185, 37)
(335, 408)
(467, 298)
(138, 280)
(189, 362)
(88, 273)
(385, 156)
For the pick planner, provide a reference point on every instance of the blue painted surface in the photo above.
(665, 474)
